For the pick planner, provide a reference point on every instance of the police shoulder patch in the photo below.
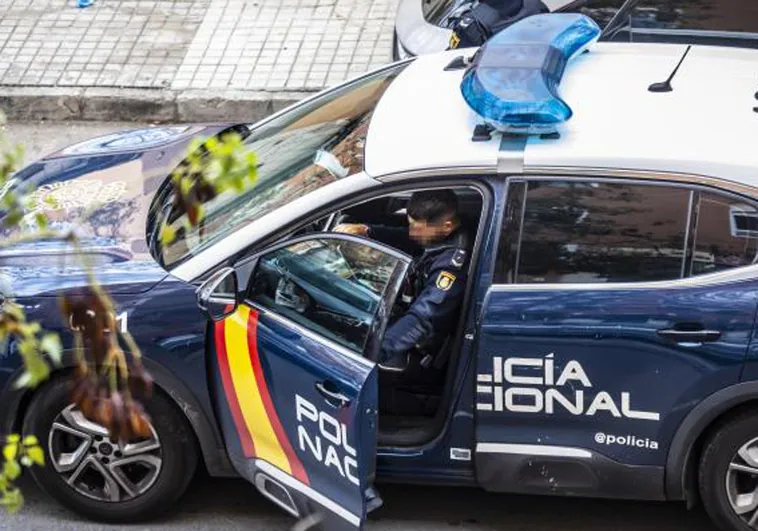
(445, 280)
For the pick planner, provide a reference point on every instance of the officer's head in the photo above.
(432, 216)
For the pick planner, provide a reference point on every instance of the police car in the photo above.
(605, 344)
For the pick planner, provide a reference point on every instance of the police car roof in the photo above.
(704, 126)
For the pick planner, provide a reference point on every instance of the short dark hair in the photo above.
(433, 205)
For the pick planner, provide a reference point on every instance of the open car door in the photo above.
(294, 338)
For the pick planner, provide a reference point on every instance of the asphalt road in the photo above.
(233, 504)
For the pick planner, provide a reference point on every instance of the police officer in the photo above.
(436, 283)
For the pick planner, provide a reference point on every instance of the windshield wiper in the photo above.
(618, 19)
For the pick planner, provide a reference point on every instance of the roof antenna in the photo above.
(665, 86)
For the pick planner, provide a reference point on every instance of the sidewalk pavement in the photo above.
(182, 60)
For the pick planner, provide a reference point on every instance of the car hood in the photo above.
(104, 188)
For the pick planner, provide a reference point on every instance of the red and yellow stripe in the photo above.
(258, 427)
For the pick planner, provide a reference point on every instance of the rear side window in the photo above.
(594, 232)
(726, 233)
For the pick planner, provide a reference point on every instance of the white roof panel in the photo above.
(705, 126)
(423, 122)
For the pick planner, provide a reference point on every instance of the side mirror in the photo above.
(217, 296)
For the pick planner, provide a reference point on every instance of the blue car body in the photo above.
(605, 332)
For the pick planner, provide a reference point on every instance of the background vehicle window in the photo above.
(601, 11)
(333, 287)
(726, 235)
(711, 15)
(585, 232)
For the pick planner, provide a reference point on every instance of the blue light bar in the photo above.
(513, 78)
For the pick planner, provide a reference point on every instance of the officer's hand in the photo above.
(356, 229)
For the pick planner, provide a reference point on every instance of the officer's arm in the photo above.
(433, 312)
(396, 237)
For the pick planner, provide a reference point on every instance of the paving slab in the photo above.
(182, 60)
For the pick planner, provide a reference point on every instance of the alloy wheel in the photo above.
(742, 483)
(96, 466)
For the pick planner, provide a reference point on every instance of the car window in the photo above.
(333, 287)
(298, 152)
(710, 15)
(601, 11)
(726, 234)
(586, 232)
(714, 20)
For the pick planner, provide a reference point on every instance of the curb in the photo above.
(141, 105)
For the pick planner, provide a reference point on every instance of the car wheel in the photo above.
(101, 479)
(729, 474)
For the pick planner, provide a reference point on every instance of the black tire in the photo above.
(178, 453)
(715, 461)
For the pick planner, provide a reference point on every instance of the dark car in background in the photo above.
(427, 26)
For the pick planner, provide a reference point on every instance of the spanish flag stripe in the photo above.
(259, 426)
(231, 397)
(252, 336)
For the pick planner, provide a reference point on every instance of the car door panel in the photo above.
(612, 335)
(297, 406)
(263, 411)
(584, 372)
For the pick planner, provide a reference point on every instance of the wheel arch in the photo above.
(207, 437)
(687, 444)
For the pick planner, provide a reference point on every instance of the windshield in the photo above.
(300, 151)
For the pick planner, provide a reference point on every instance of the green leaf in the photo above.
(40, 373)
(14, 310)
(41, 220)
(10, 450)
(11, 470)
(212, 145)
(185, 185)
(13, 500)
(13, 218)
(36, 455)
(51, 201)
(31, 440)
(31, 328)
(51, 344)
(168, 234)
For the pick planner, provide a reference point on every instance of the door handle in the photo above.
(335, 398)
(690, 336)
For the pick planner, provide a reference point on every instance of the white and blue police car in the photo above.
(605, 342)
